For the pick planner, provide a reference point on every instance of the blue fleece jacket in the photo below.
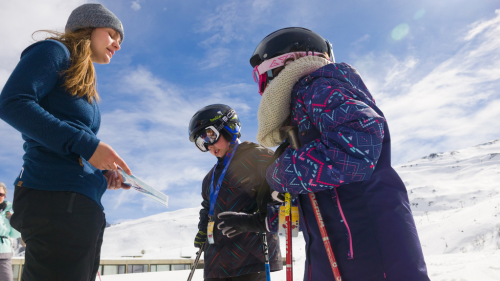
(59, 130)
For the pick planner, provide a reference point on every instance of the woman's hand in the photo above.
(105, 158)
(115, 180)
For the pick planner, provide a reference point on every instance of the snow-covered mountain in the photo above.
(167, 235)
(455, 199)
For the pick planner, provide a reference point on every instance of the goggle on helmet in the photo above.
(282, 44)
(212, 133)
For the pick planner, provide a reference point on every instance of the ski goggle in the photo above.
(208, 136)
(263, 73)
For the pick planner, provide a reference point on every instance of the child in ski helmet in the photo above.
(229, 192)
(344, 160)
(51, 98)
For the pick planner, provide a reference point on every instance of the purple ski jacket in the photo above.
(346, 161)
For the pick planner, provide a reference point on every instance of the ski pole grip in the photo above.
(293, 136)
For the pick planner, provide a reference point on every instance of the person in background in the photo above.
(6, 232)
(51, 99)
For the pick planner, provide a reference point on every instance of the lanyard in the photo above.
(214, 193)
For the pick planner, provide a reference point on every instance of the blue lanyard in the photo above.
(214, 193)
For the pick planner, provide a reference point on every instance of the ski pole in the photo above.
(324, 235)
(289, 254)
(292, 139)
(265, 249)
(196, 261)
(295, 144)
(263, 196)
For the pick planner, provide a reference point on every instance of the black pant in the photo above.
(63, 234)
(260, 276)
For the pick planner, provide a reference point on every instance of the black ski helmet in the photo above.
(213, 115)
(287, 40)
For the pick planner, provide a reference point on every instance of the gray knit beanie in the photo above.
(93, 15)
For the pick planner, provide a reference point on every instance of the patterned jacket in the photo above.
(242, 254)
(346, 161)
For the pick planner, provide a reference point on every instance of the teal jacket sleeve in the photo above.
(11, 232)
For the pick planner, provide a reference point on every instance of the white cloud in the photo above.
(135, 6)
(233, 22)
(454, 105)
(149, 129)
(362, 40)
(216, 57)
(16, 30)
(480, 26)
(225, 23)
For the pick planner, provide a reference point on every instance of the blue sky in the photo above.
(432, 66)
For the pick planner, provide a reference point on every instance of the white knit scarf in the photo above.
(274, 108)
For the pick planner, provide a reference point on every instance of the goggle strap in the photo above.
(256, 74)
(279, 61)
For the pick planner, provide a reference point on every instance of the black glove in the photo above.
(200, 238)
(234, 223)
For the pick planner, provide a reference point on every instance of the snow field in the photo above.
(455, 199)
(454, 196)
(481, 266)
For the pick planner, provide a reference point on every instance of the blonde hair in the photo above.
(2, 185)
(80, 76)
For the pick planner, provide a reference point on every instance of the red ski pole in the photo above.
(295, 144)
(324, 235)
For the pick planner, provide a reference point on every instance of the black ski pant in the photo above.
(63, 234)
(259, 276)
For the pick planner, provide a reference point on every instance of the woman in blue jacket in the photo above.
(51, 99)
(345, 160)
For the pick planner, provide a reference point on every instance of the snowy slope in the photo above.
(455, 199)
(165, 236)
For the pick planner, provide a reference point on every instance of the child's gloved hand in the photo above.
(234, 223)
(200, 238)
(278, 197)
